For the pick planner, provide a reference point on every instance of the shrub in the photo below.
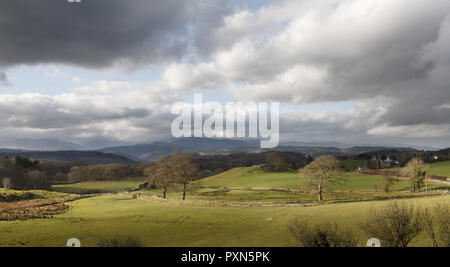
(437, 224)
(119, 241)
(395, 224)
(321, 235)
(416, 171)
(442, 212)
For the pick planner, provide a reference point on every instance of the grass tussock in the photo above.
(119, 241)
(30, 209)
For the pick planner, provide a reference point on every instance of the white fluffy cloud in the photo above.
(319, 51)
(191, 77)
(120, 111)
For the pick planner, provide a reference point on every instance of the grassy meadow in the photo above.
(257, 177)
(159, 223)
(99, 186)
(441, 168)
(241, 207)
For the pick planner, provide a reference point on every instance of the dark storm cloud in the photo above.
(98, 33)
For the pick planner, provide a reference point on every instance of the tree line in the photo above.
(24, 173)
(21, 173)
(103, 172)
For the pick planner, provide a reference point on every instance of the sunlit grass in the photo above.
(171, 224)
(99, 186)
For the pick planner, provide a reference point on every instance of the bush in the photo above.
(394, 225)
(442, 211)
(119, 241)
(437, 224)
(321, 235)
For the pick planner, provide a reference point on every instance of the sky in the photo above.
(357, 72)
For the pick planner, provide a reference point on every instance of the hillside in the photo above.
(92, 157)
(66, 151)
(255, 209)
(146, 152)
(40, 144)
(256, 177)
(217, 163)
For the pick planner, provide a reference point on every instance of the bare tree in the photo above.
(395, 224)
(428, 224)
(183, 169)
(323, 170)
(437, 224)
(442, 212)
(36, 178)
(387, 183)
(160, 174)
(416, 171)
(374, 163)
(6, 171)
(324, 235)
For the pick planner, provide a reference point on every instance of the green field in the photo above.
(441, 168)
(241, 207)
(256, 177)
(254, 184)
(171, 224)
(99, 187)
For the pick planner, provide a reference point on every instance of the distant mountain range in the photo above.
(343, 146)
(41, 144)
(146, 152)
(204, 143)
(91, 157)
(67, 151)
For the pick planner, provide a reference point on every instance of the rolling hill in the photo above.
(40, 144)
(92, 157)
(146, 152)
